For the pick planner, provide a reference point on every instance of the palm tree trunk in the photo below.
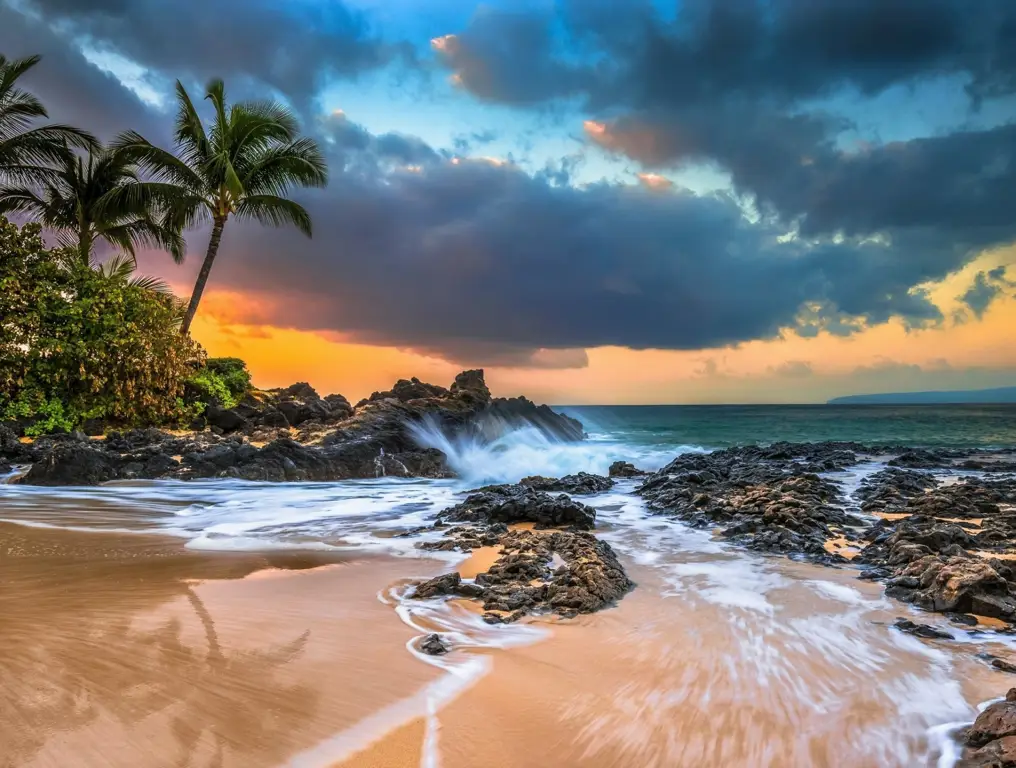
(206, 268)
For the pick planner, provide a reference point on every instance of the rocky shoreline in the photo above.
(939, 535)
(937, 527)
(290, 434)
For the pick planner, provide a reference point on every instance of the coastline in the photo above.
(127, 650)
(291, 659)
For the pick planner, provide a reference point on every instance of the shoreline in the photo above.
(314, 657)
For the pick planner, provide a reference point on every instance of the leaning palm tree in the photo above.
(242, 167)
(99, 197)
(27, 154)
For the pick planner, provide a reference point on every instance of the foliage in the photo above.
(76, 343)
(223, 380)
(98, 197)
(244, 166)
(233, 372)
(26, 153)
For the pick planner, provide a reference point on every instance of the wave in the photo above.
(526, 450)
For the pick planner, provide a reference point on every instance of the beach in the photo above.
(224, 622)
(129, 650)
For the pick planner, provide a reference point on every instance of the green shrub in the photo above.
(76, 344)
(233, 373)
(223, 381)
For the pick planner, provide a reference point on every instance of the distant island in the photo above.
(997, 395)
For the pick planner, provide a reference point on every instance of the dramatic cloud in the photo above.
(479, 261)
(73, 90)
(294, 47)
(476, 260)
(987, 287)
(781, 51)
(735, 82)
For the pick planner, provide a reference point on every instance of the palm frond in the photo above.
(190, 135)
(298, 163)
(274, 211)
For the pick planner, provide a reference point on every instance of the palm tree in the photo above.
(242, 167)
(99, 197)
(26, 153)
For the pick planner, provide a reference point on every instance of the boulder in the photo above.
(73, 463)
(520, 504)
(433, 645)
(225, 419)
(581, 483)
(920, 630)
(624, 469)
(955, 584)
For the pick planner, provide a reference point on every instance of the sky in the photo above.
(747, 201)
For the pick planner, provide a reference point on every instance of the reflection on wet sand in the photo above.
(129, 651)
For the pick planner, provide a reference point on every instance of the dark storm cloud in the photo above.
(987, 287)
(481, 262)
(735, 82)
(627, 55)
(354, 148)
(293, 46)
(962, 185)
(73, 90)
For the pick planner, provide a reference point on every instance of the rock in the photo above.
(918, 459)
(581, 483)
(519, 504)
(767, 498)
(73, 464)
(298, 412)
(920, 630)
(962, 618)
(624, 469)
(996, 722)
(433, 645)
(274, 419)
(447, 584)
(1000, 753)
(504, 415)
(590, 579)
(471, 384)
(339, 407)
(954, 584)
(224, 419)
(300, 391)
(1000, 664)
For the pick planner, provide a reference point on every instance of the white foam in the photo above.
(528, 451)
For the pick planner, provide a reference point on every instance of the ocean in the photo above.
(721, 426)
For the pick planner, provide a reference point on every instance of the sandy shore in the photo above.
(131, 651)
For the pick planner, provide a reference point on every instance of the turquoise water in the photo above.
(719, 426)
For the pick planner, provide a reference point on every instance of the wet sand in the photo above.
(130, 651)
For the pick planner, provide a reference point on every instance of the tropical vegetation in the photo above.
(83, 337)
(242, 167)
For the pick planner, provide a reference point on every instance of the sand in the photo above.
(131, 651)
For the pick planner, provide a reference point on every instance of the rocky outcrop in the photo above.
(582, 483)
(991, 741)
(279, 435)
(561, 572)
(504, 415)
(520, 504)
(625, 469)
(767, 498)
